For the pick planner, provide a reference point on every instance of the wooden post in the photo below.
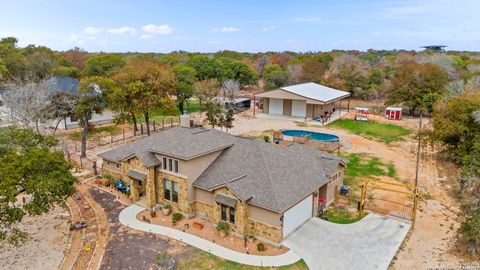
(254, 105)
(123, 133)
(111, 137)
(418, 150)
(171, 121)
(141, 128)
(415, 205)
(348, 105)
(154, 127)
(339, 108)
(163, 123)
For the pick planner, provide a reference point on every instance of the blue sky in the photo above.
(262, 25)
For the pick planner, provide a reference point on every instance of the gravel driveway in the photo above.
(370, 243)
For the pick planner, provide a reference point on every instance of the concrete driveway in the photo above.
(369, 243)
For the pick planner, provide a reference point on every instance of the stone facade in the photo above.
(204, 210)
(182, 205)
(241, 213)
(265, 232)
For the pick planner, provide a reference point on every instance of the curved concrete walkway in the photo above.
(370, 243)
(128, 218)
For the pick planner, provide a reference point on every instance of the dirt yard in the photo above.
(47, 241)
(430, 245)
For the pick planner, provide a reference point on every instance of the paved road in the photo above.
(367, 244)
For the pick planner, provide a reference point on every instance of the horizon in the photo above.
(269, 26)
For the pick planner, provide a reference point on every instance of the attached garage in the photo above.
(297, 215)
(299, 108)
(275, 106)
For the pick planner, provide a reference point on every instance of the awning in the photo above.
(137, 175)
(226, 200)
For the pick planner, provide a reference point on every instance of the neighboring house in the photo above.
(70, 85)
(257, 187)
(306, 100)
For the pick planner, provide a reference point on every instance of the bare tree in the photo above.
(27, 101)
(442, 60)
(294, 73)
(60, 106)
(260, 64)
(231, 88)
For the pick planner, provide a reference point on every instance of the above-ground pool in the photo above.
(317, 136)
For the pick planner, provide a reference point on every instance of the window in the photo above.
(170, 164)
(171, 190)
(164, 163)
(224, 212)
(118, 166)
(167, 189)
(170, 167)
(175, 166)
(175, 192)
(232, 215)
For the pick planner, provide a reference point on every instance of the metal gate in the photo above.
(388, 198)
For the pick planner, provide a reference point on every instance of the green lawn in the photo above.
(366, 166)
(96, 132)
(342, 216)
(383, 132)
(201, 260)
(159, 116)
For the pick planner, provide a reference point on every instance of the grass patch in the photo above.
(159, 116)
(366, 166)
(342, 216)
(383, 132)
(96, 132)
(205, 261)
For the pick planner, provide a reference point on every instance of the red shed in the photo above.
(393, 113)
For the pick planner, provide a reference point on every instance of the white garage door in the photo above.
(299, 108)
(275, 106)
(297, 215)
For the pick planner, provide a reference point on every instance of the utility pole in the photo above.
(418, 150)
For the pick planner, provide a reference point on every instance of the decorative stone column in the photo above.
(134, 192)
(150, 189)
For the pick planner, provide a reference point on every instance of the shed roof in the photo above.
(226, 200)
(313, 91)
(394, 108)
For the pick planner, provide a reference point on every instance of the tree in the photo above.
(274, 76)
(60, 106)
(92, 101)
(415, 81)
(206, 90)
(103, 65)
(294, 71)
(206, 67)
(348, 73)
(260, 63)
(149, 85)
(76, 57)
(185, 76)
(280, 59)
(27, 101)
(312, 70)
(29, 164)
(470, 226)
(236, 70)
(39, 62)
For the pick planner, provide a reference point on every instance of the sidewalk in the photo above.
(128, 218)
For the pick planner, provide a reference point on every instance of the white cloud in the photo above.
(269, 28)
(225, 29)
(122, 30)
(158, 29)
(307, 19)
(147, 36)
(93, 30)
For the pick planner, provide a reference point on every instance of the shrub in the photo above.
(163, 259)
(223, 226)
(166, 206)
(261, 247)
(107, 176)
(177, 216)
(250, 236)
(266, 138)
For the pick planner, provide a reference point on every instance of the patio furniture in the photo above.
(198, 225)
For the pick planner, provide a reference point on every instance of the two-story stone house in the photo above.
(257, 187)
